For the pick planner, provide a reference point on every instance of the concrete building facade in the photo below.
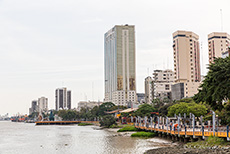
(148, 90)
(162, 81)
(225, 54)
(43, 104)
(89, 104)
(34, 107)
(62, 98)
(120, 65)
(177, 91)
(187, 61)
(218, 43)
(140, 98)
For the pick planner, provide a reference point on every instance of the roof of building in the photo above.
(129, 110)
(114, 111)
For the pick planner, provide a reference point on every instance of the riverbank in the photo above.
(180, 149)
(211, 145)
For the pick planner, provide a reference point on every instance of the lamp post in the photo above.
(213, 122)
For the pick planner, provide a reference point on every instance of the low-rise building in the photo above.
(89, 104)
(184, 90)
(140, 98)
(162, 81)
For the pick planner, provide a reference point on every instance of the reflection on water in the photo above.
(27, 138)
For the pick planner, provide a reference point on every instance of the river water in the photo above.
(24, 138)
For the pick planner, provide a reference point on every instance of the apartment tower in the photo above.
(62, 98)
(120, 65)
(218, 43)
(187, 61)
(43, 104)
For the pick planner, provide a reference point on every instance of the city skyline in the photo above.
(42, 49)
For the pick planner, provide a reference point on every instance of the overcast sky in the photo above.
(47, 44)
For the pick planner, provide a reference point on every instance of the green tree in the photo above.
(163, 110)
(224, 115)
(157, 103)
(33, 115)
(105, 107)
(118, 107)
(95, 111)
(144, 110)
(187, 100)
(181, 108)
(107, 121)
(216, 85)
(68, 114)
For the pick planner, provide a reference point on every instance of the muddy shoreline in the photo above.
(180, 149)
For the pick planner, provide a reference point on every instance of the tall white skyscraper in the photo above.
(62, 98)
(43, 104)
(120, 65)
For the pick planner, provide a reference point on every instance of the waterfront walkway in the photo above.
(185, 131)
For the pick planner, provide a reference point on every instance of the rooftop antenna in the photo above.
(221, 15)
(92, 91)
(167, 62)
(153, 70)
(85, 97)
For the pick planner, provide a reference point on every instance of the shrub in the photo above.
(210, 142)
(115, 126)
(127, 128)
(107, 121)
(143, 134)
(84, 124)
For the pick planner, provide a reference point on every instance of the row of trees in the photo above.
(165, 109)
(87, 113)
(215, 89)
